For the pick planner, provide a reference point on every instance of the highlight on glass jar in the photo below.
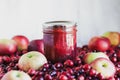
(59, 40)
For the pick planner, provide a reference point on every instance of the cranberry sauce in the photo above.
(60, 42)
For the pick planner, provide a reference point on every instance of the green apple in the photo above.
(31, 60)
(114, 37)
(89, 57)
(16, 75)
(105, 67)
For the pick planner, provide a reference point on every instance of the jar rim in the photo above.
(63, 23)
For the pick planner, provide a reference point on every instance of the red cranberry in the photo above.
(81, 77)
(40, 78)
(65, 73)
(12, 64)
(40, 73)
(100, 76)
(117, 78)
(115, 55)
(58, 65)
(53, 73)
(111, 78)
(92, 72)
(48, 77)
(53, 67)
(68, 63)
(32, 72)
(1, 75)
(88, 78)
(24, 51)
(69, 70)
(63, 77)
(78, 61)
(118, 55)
(34, 77)
(46, 65)
(14, 59)
(86, 67)
(6, 59)
(114, 59)
(8, 68)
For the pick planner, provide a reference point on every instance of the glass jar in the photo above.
(59, 40)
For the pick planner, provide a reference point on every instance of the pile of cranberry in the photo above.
(68, 70)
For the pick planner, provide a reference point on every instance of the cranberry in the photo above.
(59, 65)
(63, 77)
(40, 73)
(88, 78)
(24, 51)
(8, 68)
(81, 77)
(53, 73)
(44, 69)
(85, 47)
(68, 63)
(32, 72)
(115, 55)
(92, 72)
(86, 67)
(117, 78)
(114, 59)
(33, 77)
(69, 70)
(77, 61)
(81, 71)
(100, 76)
(118, 55)
(48, 77)
(1, 75)
(53, 67)
(40, 78)
(14, 59)
(46, 65)
(12, 64)
(6, 59)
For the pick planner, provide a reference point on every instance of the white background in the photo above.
(25, 17)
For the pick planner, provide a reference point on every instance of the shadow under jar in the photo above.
(59, 40)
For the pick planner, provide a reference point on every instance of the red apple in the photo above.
(16, 75)
(7, 47)
(114, 37)
(36, 45)
(105, 67)
(99, 43)
(22, 42)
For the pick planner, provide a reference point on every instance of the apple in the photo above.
(22, 42)
(36, 45)
(16, 75)
(7, 47)
(104, 66)
(99, 43)
(31, 60)
(114, 37)
(91, 56)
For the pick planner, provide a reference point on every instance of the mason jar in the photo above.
(59, 40)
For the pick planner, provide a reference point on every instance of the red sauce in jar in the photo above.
(59, 40)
